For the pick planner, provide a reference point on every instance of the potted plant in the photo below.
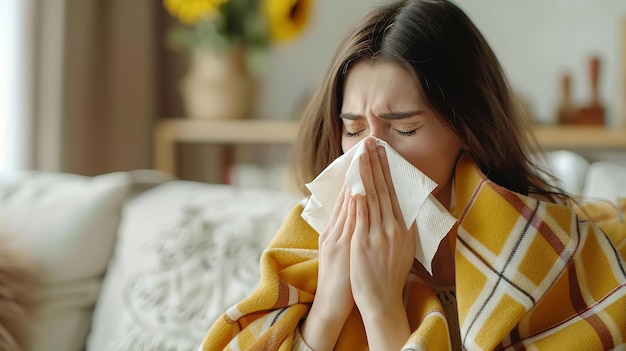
(227, 40)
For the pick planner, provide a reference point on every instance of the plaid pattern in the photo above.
(530, 275)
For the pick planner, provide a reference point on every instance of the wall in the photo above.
(297, 67)
(536, 40)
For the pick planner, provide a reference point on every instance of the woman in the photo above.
(514, 272)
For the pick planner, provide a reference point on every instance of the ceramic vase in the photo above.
(219, 85)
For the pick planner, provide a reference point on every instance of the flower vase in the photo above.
(219, 85)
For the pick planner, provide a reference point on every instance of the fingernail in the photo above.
(371, 145)
(381, 151)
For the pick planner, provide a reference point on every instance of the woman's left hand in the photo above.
(382, 249)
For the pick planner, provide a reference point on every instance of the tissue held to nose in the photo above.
(413, 189)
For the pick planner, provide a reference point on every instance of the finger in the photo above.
(371, 195)
(362, 226)
(382, 190)
(338, 204)
(395, 205)
(338, 217)
(350, 223)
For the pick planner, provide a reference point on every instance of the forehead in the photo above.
(379, 84)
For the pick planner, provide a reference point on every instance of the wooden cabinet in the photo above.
(170, 132)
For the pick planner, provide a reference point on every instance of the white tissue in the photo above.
(413, 190)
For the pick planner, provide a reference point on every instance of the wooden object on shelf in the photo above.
(594, 112)
(566, 111)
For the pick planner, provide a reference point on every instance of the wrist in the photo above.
(388, 328)
(377, 314)
(327, 308)
(328, 315)
(322, 327)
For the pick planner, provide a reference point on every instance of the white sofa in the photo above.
(140, 261)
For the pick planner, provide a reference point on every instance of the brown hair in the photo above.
(460, 77)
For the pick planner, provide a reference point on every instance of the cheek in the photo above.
(436, 162)
(348, 143)
(441, 171)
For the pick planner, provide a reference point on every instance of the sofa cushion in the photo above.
(19, 282)
(569, 168)
(186, 251)
(605, 180)
(68, 224)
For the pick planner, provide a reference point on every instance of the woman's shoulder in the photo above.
(295, 232)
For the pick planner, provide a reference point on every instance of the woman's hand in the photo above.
(333, 299)
(381, 254)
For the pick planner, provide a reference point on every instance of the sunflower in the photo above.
(286, 18)
(191, 11)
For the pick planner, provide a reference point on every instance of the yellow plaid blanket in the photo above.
(529, 275)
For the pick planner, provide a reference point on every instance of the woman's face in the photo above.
(383, 100)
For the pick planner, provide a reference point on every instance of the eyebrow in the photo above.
(390, 115)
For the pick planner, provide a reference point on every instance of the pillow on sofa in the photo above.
(605, 180)
(569, 168)
(186, 251)
(67, 223)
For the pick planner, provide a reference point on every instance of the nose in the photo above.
(379, 133)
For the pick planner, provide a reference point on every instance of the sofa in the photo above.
(140, 260)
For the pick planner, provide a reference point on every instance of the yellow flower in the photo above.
(286, 18)
(191, 11)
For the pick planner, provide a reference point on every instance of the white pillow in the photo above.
(68, 224)
(605, 180)
(186, 251)
(570, 169)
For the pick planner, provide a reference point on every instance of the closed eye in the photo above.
(354, 134)
(407, 133)
(410, 132)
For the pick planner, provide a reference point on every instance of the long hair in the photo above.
(460, 77)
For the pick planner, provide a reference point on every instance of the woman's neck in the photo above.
(442, 265)
(443, 194)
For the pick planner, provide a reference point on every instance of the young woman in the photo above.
(518, 270)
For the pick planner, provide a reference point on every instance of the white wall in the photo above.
(536, 41)
(297, 67)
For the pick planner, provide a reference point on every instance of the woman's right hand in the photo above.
(333, 300)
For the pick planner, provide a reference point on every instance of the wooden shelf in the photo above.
(169, 132)
(580, 137)
(229, 132)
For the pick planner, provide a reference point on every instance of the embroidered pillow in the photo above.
(186, 252)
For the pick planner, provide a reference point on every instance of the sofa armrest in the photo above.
(19, 282)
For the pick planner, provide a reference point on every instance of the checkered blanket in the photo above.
(529, 275)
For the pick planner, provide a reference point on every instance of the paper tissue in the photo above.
(413, 189)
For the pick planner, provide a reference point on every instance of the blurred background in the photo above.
(84, 83)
